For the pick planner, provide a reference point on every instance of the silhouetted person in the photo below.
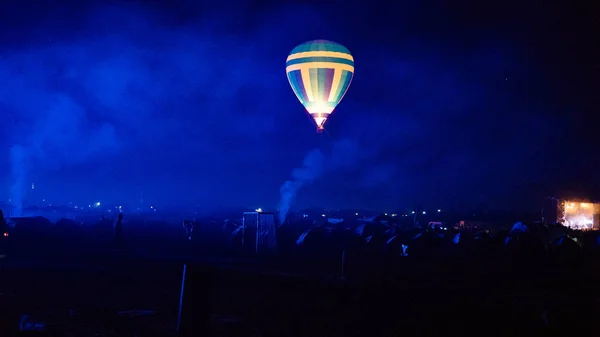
(189, 228)
(2, 222)
(119, 231)
(3, 229)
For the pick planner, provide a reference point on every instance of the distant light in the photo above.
(413, 212)
(5, 234)
(89, 205)
(424, 212)
(394, 214)
(384, 213)
(356, 214)
(44, 200)
(583, 204)
(76, 207)
(258, 209)
(151, 206)
(97, 204)
(323, 215)
(439, 210)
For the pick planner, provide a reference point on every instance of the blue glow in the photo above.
(196, 110)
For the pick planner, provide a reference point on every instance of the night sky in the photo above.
(453, 104)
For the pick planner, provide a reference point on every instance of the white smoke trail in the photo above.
(342, 154)
(19, 160)
(311, 169)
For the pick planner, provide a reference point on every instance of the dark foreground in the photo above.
(242, 298)
(48, 273)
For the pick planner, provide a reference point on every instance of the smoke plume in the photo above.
(343, 154)
(312, 168)
(58, 135)
(19, 160)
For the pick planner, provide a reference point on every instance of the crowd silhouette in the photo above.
(430, 278)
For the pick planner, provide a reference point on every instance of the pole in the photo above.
(244, 232)
(181, 297)
(258, 229)
(343, 277)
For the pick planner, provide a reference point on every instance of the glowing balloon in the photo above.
(320, 73)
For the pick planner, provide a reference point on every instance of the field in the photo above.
(45, 276)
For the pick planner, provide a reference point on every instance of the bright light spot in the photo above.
(355, 213)
(76, 207)
(320, 107)
(320, 121)
(385, 213)
(424, 212)
(97, 204)
(413, 212)
(5, 234)
(394, 214)
(151, 206)
(579, 215)
(439, 210)
(323, 215)
(258, 209)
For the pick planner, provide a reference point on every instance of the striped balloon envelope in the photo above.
(320, 73)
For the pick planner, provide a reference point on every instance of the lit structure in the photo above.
(258, 232)
(579, 215)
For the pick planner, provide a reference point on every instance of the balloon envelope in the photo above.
(320, 73)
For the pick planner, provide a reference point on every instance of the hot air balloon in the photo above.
(320, 73)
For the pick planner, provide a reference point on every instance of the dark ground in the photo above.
(252, 298)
